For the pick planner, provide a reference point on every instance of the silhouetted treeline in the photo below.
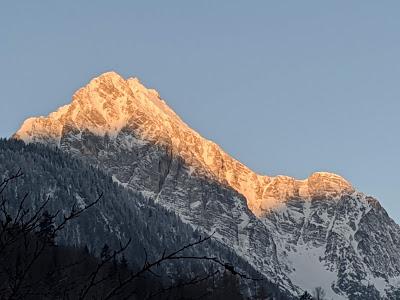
(62, 272)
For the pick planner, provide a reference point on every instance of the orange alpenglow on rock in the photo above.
(110, 104)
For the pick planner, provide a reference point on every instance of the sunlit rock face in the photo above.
(300, 233)
(109, 106)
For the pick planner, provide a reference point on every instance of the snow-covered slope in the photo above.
(286, 228)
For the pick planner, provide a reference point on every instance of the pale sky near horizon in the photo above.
(286, 87)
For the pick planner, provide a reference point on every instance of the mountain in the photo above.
(298, 233)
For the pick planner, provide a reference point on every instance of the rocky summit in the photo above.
(300, 234)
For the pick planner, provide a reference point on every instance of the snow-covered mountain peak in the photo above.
(300, 234)
(324, 182)
(280, 189)
(110, 105)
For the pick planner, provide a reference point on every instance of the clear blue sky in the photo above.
(287, 87)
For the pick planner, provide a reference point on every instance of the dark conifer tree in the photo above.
(105, 253)
(306, 296)
(46, 228)
(124, 262)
